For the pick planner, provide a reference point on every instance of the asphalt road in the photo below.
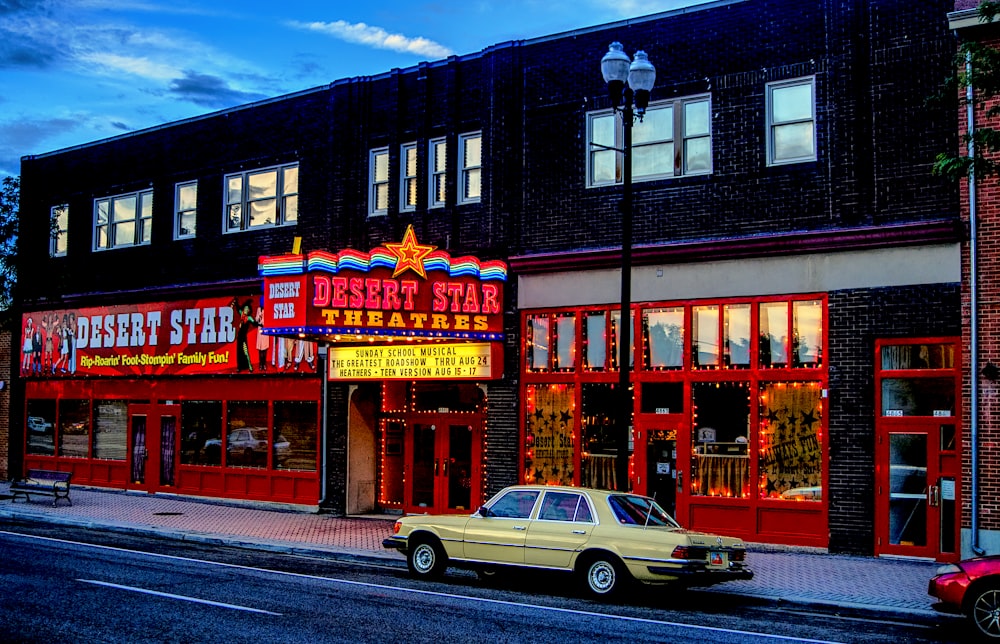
(67, 585)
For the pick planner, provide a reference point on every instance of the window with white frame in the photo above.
(408, 177)
(438, 150)
(185, 209)
(378, 181)
(123, 220)
(682, 123)
(59, 216)
(471, 149)
(262, 198)
(791, 121)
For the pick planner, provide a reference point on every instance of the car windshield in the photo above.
(632, 509)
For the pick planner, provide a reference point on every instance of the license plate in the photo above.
(717, 558)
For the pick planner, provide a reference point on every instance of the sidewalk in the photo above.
(883, 587)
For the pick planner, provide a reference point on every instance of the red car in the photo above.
(972, 588)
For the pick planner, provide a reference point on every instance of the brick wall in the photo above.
(857, 319)
(988, 261)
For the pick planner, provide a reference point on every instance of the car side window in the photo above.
(516, 504)
(583, 514)
(564, 506)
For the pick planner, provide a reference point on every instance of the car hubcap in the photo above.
(987, 613)
(602, 577)
(423, 558)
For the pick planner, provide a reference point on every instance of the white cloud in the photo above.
(377, 37)
(138, 66)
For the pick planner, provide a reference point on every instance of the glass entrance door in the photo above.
(917, 456)
(917, 491)
(152, 442)
(443, 461)
(911, 510)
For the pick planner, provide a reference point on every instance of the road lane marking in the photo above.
(195, 600)
(432, 593)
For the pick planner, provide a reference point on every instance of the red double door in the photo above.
(152, 431)
(443, 463)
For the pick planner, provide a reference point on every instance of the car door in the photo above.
(564, 523)
(499, 536)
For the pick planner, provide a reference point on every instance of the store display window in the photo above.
(790, 454)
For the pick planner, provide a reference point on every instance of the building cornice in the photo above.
(798, 243)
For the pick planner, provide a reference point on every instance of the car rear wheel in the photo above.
(604, 576)
(984, 611)
(427, 560)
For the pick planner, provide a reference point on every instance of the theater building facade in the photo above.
(400, 293)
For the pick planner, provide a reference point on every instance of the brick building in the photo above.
(796, 284)
(980, 296)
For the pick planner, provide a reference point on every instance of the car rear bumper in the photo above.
(394, 543)
(701, 575)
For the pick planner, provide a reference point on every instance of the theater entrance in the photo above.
(431, 457)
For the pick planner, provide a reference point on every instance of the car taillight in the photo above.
(738, 555)
(396, 526)
(681, 552)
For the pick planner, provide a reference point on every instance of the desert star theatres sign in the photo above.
(399, 290)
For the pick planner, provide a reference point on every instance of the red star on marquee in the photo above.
(411, 254)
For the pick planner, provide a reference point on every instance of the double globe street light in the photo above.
(629, 83)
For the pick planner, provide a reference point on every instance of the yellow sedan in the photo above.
(607, 538)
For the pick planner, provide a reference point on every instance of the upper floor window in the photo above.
(682, 124)
(60, 229)
(408, 177)
(471, 149)
(185, 209)
(791, 121)
(378, 181)
(438, 150)
(261, 198)
(123, 220)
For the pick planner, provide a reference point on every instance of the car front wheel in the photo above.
(985, 611)
(427, 560)
(604, 577)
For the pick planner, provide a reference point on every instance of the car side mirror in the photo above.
(484, 511)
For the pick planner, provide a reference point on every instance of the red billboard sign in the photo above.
(187, 337)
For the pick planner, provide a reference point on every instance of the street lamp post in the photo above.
(629, 82)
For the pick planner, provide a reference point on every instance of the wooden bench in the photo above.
(44, 482)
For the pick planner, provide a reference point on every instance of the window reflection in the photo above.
(616, 317)
(295, 428)
(537, 354)
(736, 318)
(201, 432)
(773, 334)
(111, 429)
(704, 336)
(918, 397)
(74, 428)
(663, 337)
(565, 342)
(41, 434)
(808, 332)
(595, 339)
(247, 440)
(918, 356)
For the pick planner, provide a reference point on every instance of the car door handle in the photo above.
(579, 532)
(520, 527)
